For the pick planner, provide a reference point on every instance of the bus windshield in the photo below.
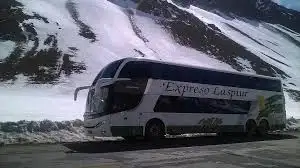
(117, 97)
(97, 100)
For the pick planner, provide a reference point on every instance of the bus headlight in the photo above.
(100, 124)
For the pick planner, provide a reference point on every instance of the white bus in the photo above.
(135, 97)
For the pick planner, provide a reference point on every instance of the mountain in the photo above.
(262, 10)
(50, 47)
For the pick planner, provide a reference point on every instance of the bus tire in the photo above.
(155, 129)
(251, 128)
(263, 128)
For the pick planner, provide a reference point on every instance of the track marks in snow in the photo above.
(276, 60)
(85, 31)
(135, 28)
(256, 41)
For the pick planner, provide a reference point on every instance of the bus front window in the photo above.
(98, 99)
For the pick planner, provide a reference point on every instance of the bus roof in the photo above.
(199, 67)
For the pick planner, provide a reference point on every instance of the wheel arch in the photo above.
(264, 119)
(248, 121)
(154, 120)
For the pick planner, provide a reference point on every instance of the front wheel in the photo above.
(155, 130)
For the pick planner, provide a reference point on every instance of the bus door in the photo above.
(126, 96)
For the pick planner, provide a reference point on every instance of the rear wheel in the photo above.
(155, 129)
(251, 128)
(263, 128)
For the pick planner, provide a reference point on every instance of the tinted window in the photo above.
(157, 71)
(127, 94)
(137, 69)
(173, 104)
(125, 101)
(111, 69)
(140, 69)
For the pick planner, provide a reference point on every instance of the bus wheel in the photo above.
(251, 128)
(263, 128)
(155, 129)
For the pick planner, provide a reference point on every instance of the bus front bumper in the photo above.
(97, 128)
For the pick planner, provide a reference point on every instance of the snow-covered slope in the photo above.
(274, 44)
(50, 47)
(46, 131)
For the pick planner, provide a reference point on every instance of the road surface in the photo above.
(278, 151)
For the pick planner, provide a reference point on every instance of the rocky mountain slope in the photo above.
(48, 48)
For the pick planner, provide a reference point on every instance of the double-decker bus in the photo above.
(135, 97)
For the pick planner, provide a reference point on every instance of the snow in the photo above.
(265, 42)
(292, 33)
(41, 137)
(117, 39)
(56, 102)
(6, 47)
(38, 104)
(167, 49)
(292, 107)
(246, 65)
(270, 43)
(45, 131)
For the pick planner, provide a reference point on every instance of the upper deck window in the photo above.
(144, 69)
(109, 71)
(136, 69)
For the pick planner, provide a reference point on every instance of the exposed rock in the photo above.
(189, 31)
(85, 31)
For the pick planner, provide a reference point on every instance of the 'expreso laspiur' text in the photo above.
(185, 88)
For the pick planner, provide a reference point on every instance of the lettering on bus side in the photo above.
(181, 89)
(231, 93)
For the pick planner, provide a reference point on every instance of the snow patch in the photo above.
(246, 65)
(46, 131)
(6, 47)
(265, 41)
(293, 124)
(34, 103)
(292, 107)
(116, 39)
(166, 49)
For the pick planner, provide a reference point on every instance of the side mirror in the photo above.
(78, 89)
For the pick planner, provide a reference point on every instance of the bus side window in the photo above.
(201, 105)
(127, 94)
(125, 101)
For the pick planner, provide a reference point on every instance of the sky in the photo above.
(292, 4)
